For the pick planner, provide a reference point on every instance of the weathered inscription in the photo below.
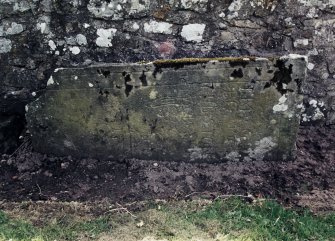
(189, 109)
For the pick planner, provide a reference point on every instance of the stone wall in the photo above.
(38, 36)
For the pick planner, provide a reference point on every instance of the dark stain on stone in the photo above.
(143, 79)
(103, 94)
(153, 125)
(129, 87)
(237, 73)
(173, 65)
(181, 63)
(259, 71)
(299, 83)
(159, 67)
(281, 78)
(156, 71)
(238, 63)
(251, 84)
(105, 73)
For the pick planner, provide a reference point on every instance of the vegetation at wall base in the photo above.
(229, 219)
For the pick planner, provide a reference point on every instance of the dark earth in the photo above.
(307, 181)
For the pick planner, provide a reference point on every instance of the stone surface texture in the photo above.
(38, 36)
(230, 109)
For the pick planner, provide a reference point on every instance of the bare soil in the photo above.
(307, 181)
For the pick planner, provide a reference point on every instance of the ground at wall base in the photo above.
(309, 180)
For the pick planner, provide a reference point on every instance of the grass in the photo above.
(232, 219)
(62, 229)
(267, 221)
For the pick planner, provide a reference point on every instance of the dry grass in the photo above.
(202, 220)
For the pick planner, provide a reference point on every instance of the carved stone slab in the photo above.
(222, 109)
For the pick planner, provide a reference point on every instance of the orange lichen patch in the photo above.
(163, 9)
(161, 13)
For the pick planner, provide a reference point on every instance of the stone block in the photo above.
(236, 109)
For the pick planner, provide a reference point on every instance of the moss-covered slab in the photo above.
(221, 109)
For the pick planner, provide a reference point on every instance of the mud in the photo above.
(307, 181)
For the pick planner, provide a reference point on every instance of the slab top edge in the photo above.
(167, 62)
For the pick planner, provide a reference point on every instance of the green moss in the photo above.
(138, 125)
(204, 60)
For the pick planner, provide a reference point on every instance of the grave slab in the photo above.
(209, 110)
